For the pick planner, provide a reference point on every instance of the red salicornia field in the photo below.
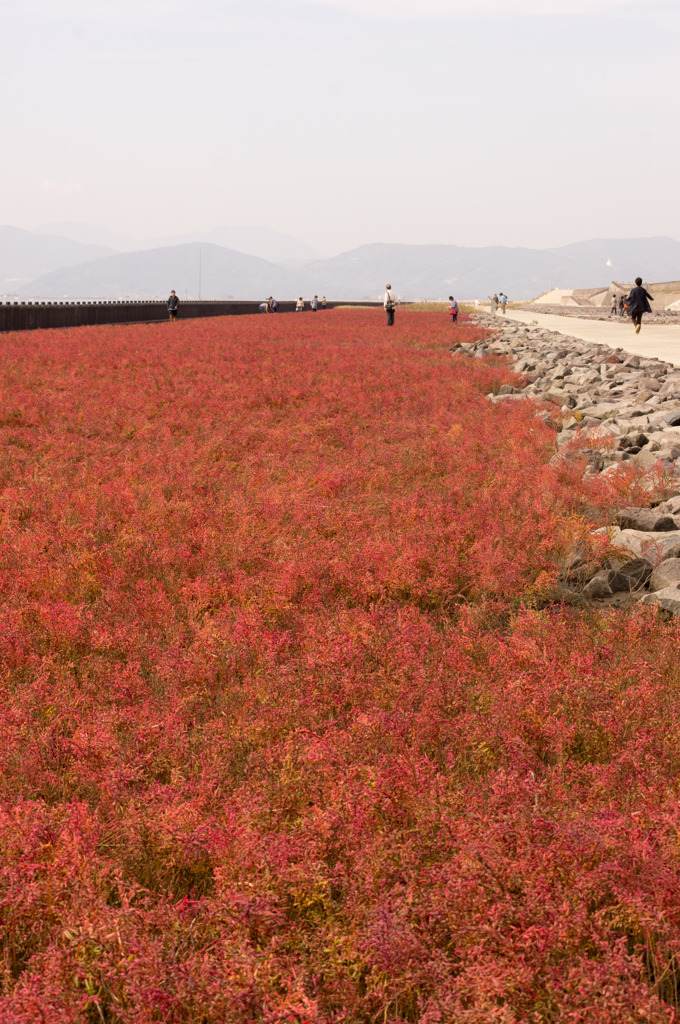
(288, 733)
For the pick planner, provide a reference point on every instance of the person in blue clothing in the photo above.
(453, 310)
(315, 303)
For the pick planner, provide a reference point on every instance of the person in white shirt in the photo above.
(389, 302)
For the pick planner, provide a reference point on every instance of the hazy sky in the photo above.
(518, 122)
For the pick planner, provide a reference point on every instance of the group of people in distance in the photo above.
(314, 304)
(269, 305)
(390, 302)
(497, 300)
(633, 305)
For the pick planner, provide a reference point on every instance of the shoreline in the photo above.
(617, 409)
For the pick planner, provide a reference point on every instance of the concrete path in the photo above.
(661, 341)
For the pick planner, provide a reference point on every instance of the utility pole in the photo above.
(200, 267)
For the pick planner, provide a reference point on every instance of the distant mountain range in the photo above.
(206, 270)
(255, 240)
(39, 265)
(24, 257)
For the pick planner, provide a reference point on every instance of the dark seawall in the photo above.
(29, 316)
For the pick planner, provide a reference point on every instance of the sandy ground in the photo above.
(661, 340)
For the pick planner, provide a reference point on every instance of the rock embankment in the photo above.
(613, 408)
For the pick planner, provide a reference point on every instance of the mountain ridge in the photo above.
(415, 271)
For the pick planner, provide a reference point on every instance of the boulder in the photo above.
(649, 384)
(638, 571)
(634, 440)
(647, 460)
(666, 574)
(606, 583)
(647, 519)
(670, 507)
(561, 399)
(667, 600)
(652, 546)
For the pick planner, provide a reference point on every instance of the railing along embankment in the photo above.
(29, 316)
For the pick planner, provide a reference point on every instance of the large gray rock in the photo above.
(601, 411)
(647, 459)
(635, 439)
(561, 398)
(671, 506)
(666, 574)
(668, 600)
(606, 583)
(652, 546)
(646, 519)
(638, 571)
(649, 384)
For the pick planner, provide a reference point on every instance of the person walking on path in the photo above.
(621, 306)
(315, 303)
(453, 310)
(503, 299)
(612, 311)
(173, 305)
(323, 301)
(494, 302)
(300, 305)
(638, 303)
(389, 302)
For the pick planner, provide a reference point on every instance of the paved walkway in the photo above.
(661, 340)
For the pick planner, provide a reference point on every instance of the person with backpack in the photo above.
(453, 310)
(503, 300)
(638, 303)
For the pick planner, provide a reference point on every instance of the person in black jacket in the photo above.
(638, 303)
(173, 305)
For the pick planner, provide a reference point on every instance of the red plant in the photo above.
(281, 737)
